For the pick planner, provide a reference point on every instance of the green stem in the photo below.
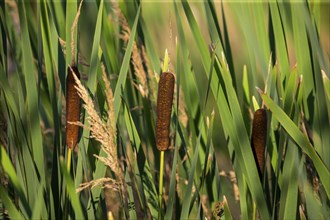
(69, 159)
(67, 193)
(254, 211)
(161, 174)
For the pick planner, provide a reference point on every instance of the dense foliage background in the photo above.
(229, 60)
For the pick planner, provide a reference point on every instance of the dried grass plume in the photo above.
(104, 132)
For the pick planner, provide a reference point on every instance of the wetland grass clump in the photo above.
(259, 137)
(117, 154)
(164, 109)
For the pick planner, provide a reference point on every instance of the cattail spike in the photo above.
(164, 109)
(72, 108)
(259, 136)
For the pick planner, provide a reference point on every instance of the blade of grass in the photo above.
(289, 93)
(245, 83)
(151, 53)
(314, 207)
(326, 83)
(59, 17)
(9, 95)
(39, 208)
(302, 52)
(100, 168)
(243, 140)
(147, 179)
(31, 94)
(12, 37)
(189, 85)
(10, 206)
(3, 37)
(123, 70)
(313, 33)
(245, 20)
(91, 85)
(109, 44)
(10, 170)
(320, 128)
(69, 185)
(280, 42)
(246, 161)
(194, 174)
(171, 194)
(94, 61)
(227, 215)
(289, 189)
(188, 193)
(301, 140)
(48, 50)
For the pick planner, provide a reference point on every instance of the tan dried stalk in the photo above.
(136, 58)
(183, 117)
(151, 78)
(139, 71)
(73, 27)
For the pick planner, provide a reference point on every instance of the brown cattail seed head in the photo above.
(72, 108)
(259, 136)
(164, 109)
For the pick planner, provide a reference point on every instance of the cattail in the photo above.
(164, 109)
(72, 108)
(259, 136)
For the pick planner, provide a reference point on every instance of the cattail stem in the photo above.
(160, 198)
(254, 211)
(69, 159)
(67, 199)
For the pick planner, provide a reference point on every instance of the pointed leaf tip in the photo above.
(259, 90)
